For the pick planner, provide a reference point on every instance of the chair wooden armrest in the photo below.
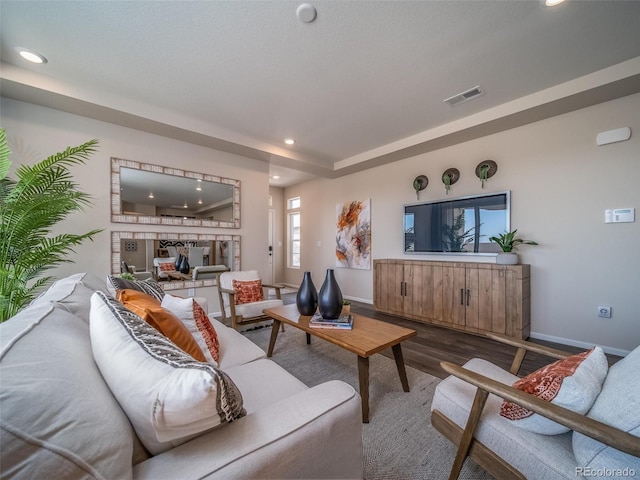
(602, 432)
(523, 347)
(226, 290)
(276, 287)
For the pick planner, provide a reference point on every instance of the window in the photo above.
(293, 233)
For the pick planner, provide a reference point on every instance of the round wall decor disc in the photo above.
(493, 168)
(454, 175)
(420, 182)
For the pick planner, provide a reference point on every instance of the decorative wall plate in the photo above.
(485, 170)
(419, 184)
(454, 175)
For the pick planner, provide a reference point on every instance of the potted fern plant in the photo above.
(43, 195)
(508, 242)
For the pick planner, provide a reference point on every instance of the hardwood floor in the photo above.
(433, 345)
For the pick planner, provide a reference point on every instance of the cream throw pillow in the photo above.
(573, 383)
(168, 396)
(195, 319)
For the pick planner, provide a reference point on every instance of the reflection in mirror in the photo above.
(151, 194)
(142, 253)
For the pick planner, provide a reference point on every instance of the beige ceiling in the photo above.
(361, 86)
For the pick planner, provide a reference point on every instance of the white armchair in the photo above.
(243, 313)
(159, 272)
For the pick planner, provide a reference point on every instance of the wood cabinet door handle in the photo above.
(468, 296)
(462, 296)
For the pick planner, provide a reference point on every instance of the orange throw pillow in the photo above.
(167, 267)
(149, 309)
(248, 291)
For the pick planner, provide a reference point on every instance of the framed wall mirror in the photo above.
(152, 194)
(143, 252)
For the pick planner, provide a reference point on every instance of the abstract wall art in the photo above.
(353, 236)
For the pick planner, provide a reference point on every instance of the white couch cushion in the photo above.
(235, 348)
(168, 396)
(543, 457)
(618, 405)
(573, 383)
(57, 415)
(264, 383)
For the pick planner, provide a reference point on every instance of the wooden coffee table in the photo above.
(175, 275)
(368, 336)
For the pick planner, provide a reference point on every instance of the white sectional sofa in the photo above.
(59, 417)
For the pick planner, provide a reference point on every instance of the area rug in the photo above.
(399, 441)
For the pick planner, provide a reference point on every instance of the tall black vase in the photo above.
(178, 262)
(330, 297)
(307, 296)
(184, 265)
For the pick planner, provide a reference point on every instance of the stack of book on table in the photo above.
(343, 322)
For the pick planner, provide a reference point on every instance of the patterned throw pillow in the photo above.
(149, 286)
(248, 291)
(573, 383)
(168, 396)
(167, 266)
(151, 311)
(197, 322)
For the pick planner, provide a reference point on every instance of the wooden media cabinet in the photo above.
(472, 297)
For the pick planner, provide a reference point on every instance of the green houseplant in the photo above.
(508, 242)
(43, 195)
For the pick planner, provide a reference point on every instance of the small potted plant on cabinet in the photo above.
(508, 242)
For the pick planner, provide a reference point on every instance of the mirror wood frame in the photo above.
(116, 201)
(116, 252)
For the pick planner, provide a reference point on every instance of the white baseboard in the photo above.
(361, 300)
(576, 343)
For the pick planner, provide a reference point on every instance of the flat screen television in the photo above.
(457, 225)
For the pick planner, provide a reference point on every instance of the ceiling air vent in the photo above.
(464, 96)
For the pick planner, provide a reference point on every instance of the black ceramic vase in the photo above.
(178, 262)
(307, 296)
(330, 297)
(184, 265)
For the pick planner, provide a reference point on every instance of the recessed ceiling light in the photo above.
(289, 141)
(185, 206)
(199, 202)
(276, 177)
(553, 3)
(151, 195)
(199, 188)
(31, 56)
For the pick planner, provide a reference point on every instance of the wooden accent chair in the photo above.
(238, 314)
(509, 452)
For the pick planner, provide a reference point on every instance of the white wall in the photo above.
(35, 133)
(561, 182)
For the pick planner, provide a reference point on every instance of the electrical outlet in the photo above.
(604, 311)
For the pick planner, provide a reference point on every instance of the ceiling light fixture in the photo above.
(185, 206)
(151, 195)
(198, 188)
(289, 141)
(199, 202)
(276, 177)
(31, 55)
(553, 3)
